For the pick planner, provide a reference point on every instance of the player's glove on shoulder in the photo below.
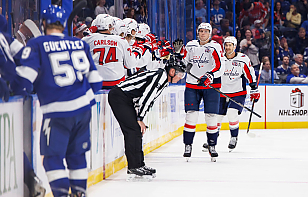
(206, 79)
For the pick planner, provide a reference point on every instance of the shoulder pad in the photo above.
(192, 43)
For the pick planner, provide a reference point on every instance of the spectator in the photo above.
(302, 8)
(305, 26)
(247, 47)
(301, 42)
(266, 73)
(101, 8)
(293, 18)
(217, 12)
(299, 62)
(142, 18)
(257, 31)
(285, 51)
(239, 38)
(285, 6)
(279, 17)
(284, 69)
(131, 4)
(265, 59)
(254, 11)
(112, 11)
(131, 13)
(200, 12)
(267, 17)
(224, 27)
(306, 55)
(295, 76)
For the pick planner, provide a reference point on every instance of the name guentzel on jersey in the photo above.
(62, 45)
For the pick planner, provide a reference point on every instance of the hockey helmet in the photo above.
(231, 39)
(54, 14)
(205, 26)
(143, 29)
(119, 28)
(131, 24)
(104, 22)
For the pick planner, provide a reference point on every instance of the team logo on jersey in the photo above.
(207, 50)
(200, 60)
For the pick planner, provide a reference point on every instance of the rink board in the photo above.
(11, 148)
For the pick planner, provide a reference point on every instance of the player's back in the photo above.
(61, 65)
(110, 54)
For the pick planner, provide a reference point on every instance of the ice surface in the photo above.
(273, 164)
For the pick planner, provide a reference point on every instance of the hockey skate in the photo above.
(213, 153)
(139, 174)
(37, 189)
(187, 152)
(78, 194)
(232, 143)
(205, 147)
(152, 170)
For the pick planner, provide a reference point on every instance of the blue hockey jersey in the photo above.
(63, 73)
(10, 52)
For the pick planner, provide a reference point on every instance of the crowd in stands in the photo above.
(135, 9)
(253, 33)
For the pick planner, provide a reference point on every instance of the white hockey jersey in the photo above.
(205, 58)
(110, 53)
(237, 70)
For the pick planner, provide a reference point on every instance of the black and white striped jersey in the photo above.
(144, 89)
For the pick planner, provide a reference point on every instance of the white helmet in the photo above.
(232, 40)
(205, 26)
(143, 29)
(104, 22)
(93, 22)
(131, 24)
(119, 28)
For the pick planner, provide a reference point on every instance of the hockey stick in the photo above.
(188, 72)
(74, 12)
(253, 102)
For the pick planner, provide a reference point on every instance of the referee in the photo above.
(130, 101)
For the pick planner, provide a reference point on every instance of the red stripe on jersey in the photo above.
(235, 94)
(217, 61)
(212, 127)
(218, 124)
(248, 74)
(113, 83)
(194, 86)
(234, 123)
(189, 126)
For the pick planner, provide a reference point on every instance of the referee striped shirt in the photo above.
(144, 89)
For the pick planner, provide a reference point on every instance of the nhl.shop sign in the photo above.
(296, 101)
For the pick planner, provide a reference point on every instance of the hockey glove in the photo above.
(139, 50)
(4, 91)
(178, 45)
(206, 79)
(254, 94)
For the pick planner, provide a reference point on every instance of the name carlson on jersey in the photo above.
(105, 42)
(62, 45)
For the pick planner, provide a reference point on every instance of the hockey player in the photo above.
(132, 28)
(139, 92)
(65, 78)
(233, 83)
(110, 52)
(205, 55)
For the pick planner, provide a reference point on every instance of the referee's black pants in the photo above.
(124, 111)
